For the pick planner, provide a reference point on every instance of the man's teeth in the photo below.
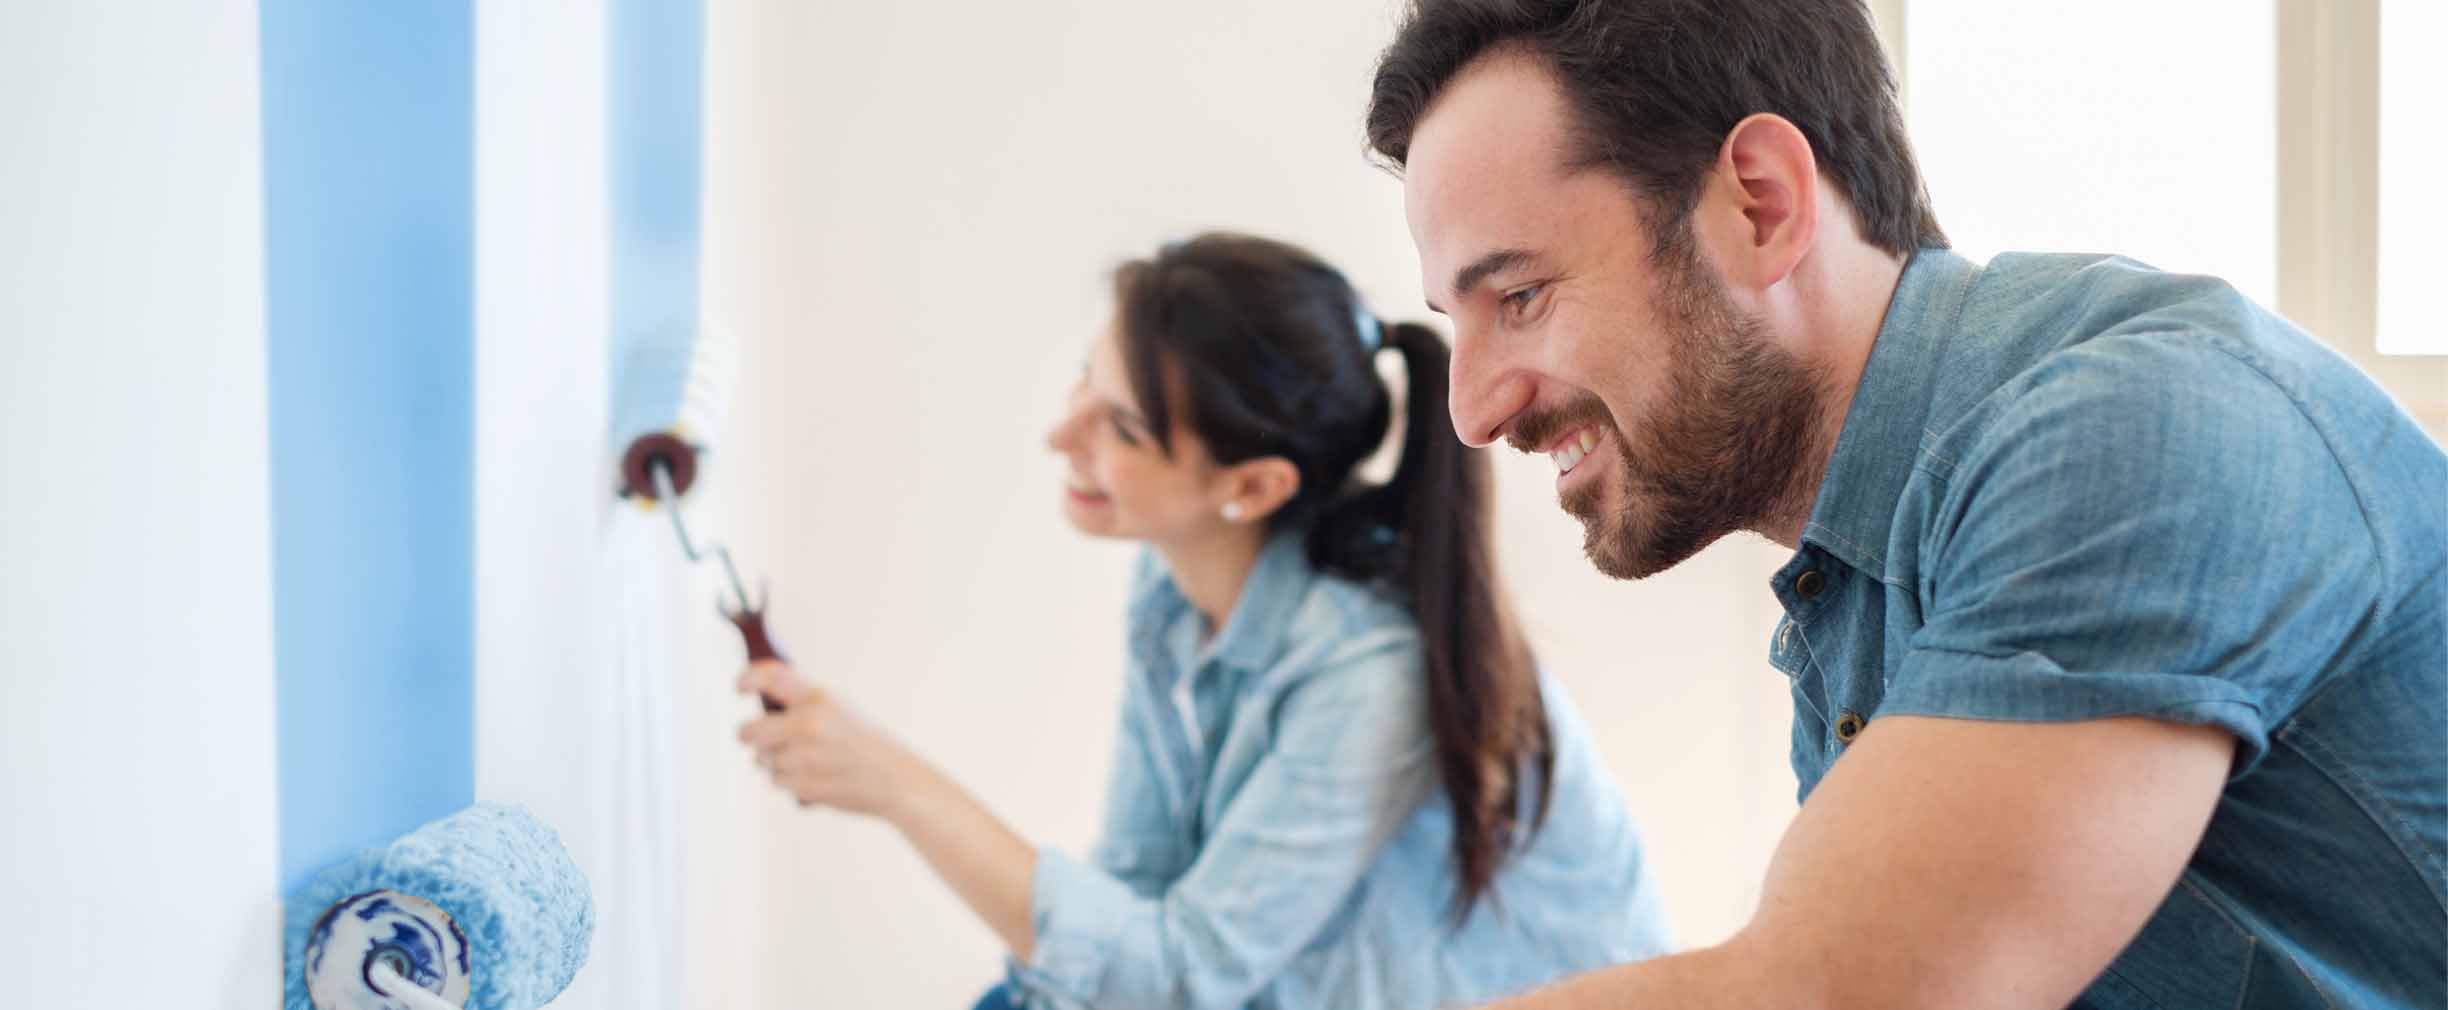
(1570, 454)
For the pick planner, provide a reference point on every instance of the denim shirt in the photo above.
(1275, 835)
(2073, 487)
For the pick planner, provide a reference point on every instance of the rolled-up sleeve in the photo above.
(2154, 528)
(1350, 761)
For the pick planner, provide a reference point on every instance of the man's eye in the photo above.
(1518, 302)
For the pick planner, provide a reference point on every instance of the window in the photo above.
(2413, 211)
(2148, 130)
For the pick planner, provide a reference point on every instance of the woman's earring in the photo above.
(1232, 511)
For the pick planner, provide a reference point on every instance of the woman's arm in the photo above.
(987, 864)
(975, 852)
(1351, 763)
(825, 755)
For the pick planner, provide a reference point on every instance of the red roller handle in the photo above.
(751, 625)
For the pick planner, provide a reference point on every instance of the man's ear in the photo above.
(1759, 209)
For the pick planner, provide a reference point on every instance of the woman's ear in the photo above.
(1252, 490)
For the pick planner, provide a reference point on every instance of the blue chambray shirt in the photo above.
(1275, 835)
(2073, 487)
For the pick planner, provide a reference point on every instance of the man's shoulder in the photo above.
(2166, 394)
(2029, 305)
(2129, 354)
(2155, 427)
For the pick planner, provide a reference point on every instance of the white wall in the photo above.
(911, 212)
(2156, 139)
(579, 622)
(136, 678)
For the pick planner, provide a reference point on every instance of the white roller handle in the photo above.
(384, 935)
(405, 991)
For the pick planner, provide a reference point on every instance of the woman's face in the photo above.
(1119, 482)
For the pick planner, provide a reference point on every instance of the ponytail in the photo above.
(1278, 355)
(1428, 531)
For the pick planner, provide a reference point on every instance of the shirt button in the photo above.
(1848, 726)
(1808, 584)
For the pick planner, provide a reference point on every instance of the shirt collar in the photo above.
(1254, 635)
(1885, 424)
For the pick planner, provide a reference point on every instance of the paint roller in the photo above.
(673, 388)
(482, 909)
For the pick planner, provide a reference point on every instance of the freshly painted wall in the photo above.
(368, 262)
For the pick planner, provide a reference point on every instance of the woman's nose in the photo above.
(1065, 432)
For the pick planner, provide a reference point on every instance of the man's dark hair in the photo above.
(1654, 86)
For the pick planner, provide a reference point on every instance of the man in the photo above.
(2115, 615)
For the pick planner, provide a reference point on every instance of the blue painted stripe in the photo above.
(656, 134)
(368, 133)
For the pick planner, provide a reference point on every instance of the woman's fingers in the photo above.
(818, 750)
(763, 677)
(787, 745)
(775, 679)
(791, 760)
(767, 732)
(804, 719)
(801, 775)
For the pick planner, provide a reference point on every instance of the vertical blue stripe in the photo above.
(655, 119)
(368, 132)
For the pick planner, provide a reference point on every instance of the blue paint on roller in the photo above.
(368, 150)
(502, 876)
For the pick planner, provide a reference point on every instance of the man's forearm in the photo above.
(1725, 977)
(1950, 863)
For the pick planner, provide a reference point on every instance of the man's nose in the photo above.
(1484, 393)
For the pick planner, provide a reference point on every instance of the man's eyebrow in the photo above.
(1481, 269)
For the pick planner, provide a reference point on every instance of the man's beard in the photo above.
(1731, 445)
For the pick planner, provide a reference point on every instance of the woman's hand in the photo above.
(821, 752)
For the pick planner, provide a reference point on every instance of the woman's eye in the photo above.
(1123, 432)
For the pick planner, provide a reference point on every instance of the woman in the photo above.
(1341, 780)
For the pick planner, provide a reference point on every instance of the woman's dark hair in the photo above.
(1654, 86)
(1264, 350)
